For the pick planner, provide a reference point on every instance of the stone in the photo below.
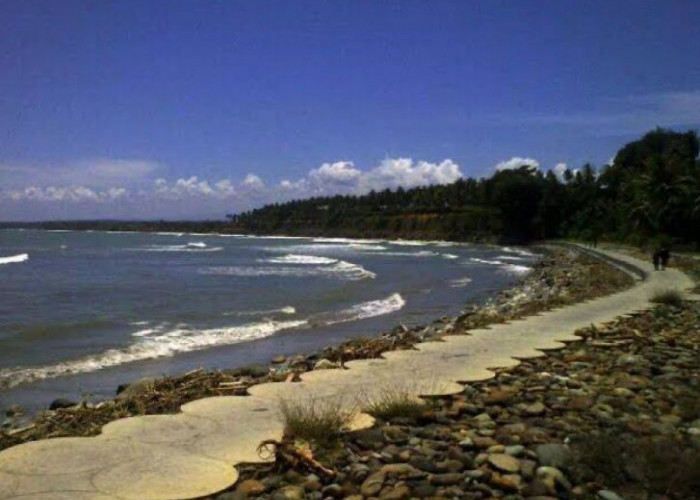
(507, 482)
(398, 492)
(373, 484)
(278, 360)
(446, 479)
(515, 450)
(534, 409)
(333, 490)
(499, 396)
(290, 492)
(578, 403)
(59, 403)
(131, 389)
(251, 487)
(423, 463)
(14, 411)
(399, 470)
(609, 495)
(325, 364)
(504, 462)
(553, 454)
(424, 489)
(552, 477)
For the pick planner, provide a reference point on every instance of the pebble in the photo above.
(504, 462)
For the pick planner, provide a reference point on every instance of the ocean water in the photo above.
(82, 312)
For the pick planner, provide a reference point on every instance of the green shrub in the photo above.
(314, 420)
(668, 297)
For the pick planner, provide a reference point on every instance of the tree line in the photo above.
(649, 194)
(651, 191)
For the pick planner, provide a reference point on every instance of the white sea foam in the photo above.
(370, 309)
(327, 248)
(340, 269)
(14, 259)
(504, 266)
(460, 282)
(300, 259)
(346, 240)
(510, 257)
(149, 346)
(449, 256)
(167, 233)
(516, 269)
(520, 251)
(159, 342)
(264, 312)
(189, 247)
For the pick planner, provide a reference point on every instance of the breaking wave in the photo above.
(165, 341)
(331, 268)
(193, 246)
(504, 266)
(460, 283)
(13, 259)
(264, 312)
(300, 259)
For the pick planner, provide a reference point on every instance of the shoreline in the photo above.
(554, 282)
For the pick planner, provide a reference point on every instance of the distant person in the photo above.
(664, 255)
(656, 259)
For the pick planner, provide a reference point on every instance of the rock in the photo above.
(552, 477)
(400, 470)
(609, 495)
(483, 442)
(251, 487)
(578, 403)
(333, 490)
(423, 463)
(398, 492)
(424, 489)
(534, 409)
(278, 360)
(230, 495)
(373, 484)
(504, 462)
(515, 450)
(325, 364)
(446, 479)
(553, 454)
(255, 371)
(14, 411)
(62, 403)
(508, 482)
(290, 492)
(499, 396)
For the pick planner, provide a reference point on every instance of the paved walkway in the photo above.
(193, 453)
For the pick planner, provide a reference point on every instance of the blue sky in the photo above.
(192, 109)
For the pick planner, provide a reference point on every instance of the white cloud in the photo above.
(559, 170)
(517, 162)
(98, 173)
(253, 182)
(160, 197)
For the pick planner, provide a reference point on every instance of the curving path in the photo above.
(193, 454)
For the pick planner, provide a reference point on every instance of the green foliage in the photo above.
(668, 297)
(651, 191)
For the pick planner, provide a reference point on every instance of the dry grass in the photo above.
(394, 403)
(313, 420)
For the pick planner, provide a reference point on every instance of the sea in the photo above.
(82, 312)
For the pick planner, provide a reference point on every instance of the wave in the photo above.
(346, 240)
(196, 246)
(510, 257)
(159, 342)
(168, 233)
(460, 282)
(422, 253)
(504, 266)
(300, 259)
(14, 259)
(327, 247)
(520, 251)
(364, 310)
(264, 312)
(340, 269)
(166, 344)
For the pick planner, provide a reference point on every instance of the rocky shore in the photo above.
(562, 276)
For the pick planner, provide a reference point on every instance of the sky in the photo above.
(195, 109)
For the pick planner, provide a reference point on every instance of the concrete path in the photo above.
(193, 454)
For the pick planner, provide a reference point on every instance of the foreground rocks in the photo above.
(613, 416)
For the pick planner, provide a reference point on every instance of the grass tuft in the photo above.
(395, 403)
(320, 422)
(668, 297)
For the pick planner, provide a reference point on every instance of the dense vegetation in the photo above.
(651, 192)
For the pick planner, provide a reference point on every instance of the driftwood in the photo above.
(287, 453)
